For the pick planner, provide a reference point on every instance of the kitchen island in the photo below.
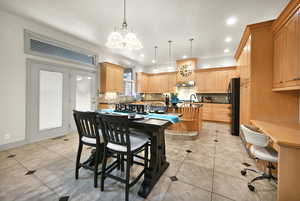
(190, 124)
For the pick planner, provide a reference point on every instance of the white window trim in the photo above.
(28, 35)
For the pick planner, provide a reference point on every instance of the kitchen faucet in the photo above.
(191, 99)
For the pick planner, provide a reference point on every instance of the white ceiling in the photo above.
(154, 21)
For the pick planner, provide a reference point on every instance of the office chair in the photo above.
(260, 151)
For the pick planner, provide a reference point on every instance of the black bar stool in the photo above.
(117, 139)
(89, 131)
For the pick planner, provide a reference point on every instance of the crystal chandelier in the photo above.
(123, 39)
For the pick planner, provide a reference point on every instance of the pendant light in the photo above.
(123, 39)
(170, 55)
(155, 58)
(191, 53)
(191, 47)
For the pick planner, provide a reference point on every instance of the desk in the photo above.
(286, 138)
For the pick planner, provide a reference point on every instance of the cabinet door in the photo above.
(110, 79)
(222, 80)
(163, 83)
(201, 81)
(279, 51)
(171, 82)
(221, 112)
(140, 77)
(292, 52)
(206, 115)
(119, 80)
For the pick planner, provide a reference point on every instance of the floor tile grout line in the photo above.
(57, 153)
(225, 196)
(37, 178)
(214, 161)
(175, 175)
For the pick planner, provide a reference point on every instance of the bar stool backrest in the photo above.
(87, 124)
(255, 138)
(115, 129)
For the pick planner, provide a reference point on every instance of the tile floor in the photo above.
(210, 172)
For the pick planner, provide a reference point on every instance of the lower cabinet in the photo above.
(216, 112)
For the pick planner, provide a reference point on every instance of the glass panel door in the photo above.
(51, 100)
(48, 92)
(53, 92)
(84, 93)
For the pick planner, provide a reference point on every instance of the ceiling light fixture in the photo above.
(226, 50)
(231, 21)
(184, 56)
(123, 39)
(228, 39)
(142, 55)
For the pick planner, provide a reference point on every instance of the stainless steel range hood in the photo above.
(186, 84)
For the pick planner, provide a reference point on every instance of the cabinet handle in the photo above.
(280, 82)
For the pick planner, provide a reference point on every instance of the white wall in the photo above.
(202, 63)
(13, 70)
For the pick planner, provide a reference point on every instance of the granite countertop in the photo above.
(204, 102)
(108, 102)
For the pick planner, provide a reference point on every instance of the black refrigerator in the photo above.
(233, 94)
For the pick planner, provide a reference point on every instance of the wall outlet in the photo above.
(7, 136)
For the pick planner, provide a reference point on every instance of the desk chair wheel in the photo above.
(243, 172)
(251, 187)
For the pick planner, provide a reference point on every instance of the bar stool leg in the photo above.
(96, 167)
(78, 160)
(128, 165)
(146, 157)
(103, 168)
(122, 162)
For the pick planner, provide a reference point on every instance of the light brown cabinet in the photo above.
(286, 72)
(156, 83)
(142, 82)
(111, 78)
(215, 80)
(171, 82)
(255, 60)
(216, 112)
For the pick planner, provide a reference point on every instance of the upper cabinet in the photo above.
(286, 72)
(255, 60)
(156, 83)
(111, 78)
(215, 80)
(142, 82)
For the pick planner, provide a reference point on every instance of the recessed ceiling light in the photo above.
(89, 78)
(153, 61)
(231, 21)
(184, 56)
(228, 39)
(226, 50)
(142, 55)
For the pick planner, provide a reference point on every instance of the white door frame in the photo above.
(32, 98)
